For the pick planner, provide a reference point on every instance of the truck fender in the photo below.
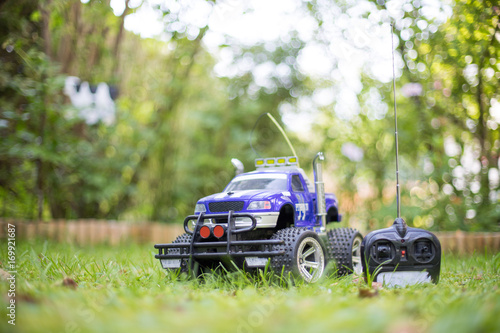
(286, 218)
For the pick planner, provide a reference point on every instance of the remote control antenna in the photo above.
(399, 255)
(398, 194)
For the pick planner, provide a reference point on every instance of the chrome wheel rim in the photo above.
(357, 266)
(310, 259)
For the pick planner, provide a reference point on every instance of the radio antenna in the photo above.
(398, 194)
(282, 131)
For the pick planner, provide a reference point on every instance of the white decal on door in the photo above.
(301, 209)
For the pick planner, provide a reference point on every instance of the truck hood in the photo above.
(245, 195)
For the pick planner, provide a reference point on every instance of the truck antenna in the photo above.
(282, 131)
(393, 256)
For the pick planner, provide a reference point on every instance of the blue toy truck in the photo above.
(273, 213)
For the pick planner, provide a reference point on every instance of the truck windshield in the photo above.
(276, 182)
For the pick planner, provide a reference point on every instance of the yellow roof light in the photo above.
(259, 162)
(293, 160)
(281, 161)
(270, 161)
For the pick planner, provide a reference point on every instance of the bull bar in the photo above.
(233, 248)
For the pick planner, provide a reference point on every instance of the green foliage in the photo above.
(448, 132)
(155, 162)
(178, 124)
(456, 66)
(147, 165)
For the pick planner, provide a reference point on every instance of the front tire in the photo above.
(304, 256)
(344, 248)
(184, 238)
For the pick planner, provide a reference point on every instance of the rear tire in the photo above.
(304, 256)
(344, 248)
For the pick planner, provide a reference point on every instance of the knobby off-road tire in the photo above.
(304, 255)
(344, 248)
(184, 238)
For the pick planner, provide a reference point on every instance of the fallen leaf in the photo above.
(70, 283)
(26, 298)
(367, 293)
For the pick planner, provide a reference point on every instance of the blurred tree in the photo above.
(181, 114)
(448, 94)
(447, 98)
(458, 66)
(25, 95)
(146, 165)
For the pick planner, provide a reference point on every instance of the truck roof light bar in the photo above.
(276, 162)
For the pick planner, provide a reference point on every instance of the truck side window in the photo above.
(297, 184)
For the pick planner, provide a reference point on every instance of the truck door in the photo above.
(304, 214)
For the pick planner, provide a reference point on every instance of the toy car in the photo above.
(273, 213)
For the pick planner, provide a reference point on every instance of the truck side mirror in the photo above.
(238, 165)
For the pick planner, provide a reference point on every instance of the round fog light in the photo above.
(205, 232)
(218, 231)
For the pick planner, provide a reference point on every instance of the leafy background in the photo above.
(180, 118)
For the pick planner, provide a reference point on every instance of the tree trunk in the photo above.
(118, 40)
(68, 44)
(47, 38)
(39, 162)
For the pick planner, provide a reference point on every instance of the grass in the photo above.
(124, 289)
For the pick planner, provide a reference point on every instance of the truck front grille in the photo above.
(226, 206)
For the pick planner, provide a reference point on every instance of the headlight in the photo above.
(255, 205)
(200, 208)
